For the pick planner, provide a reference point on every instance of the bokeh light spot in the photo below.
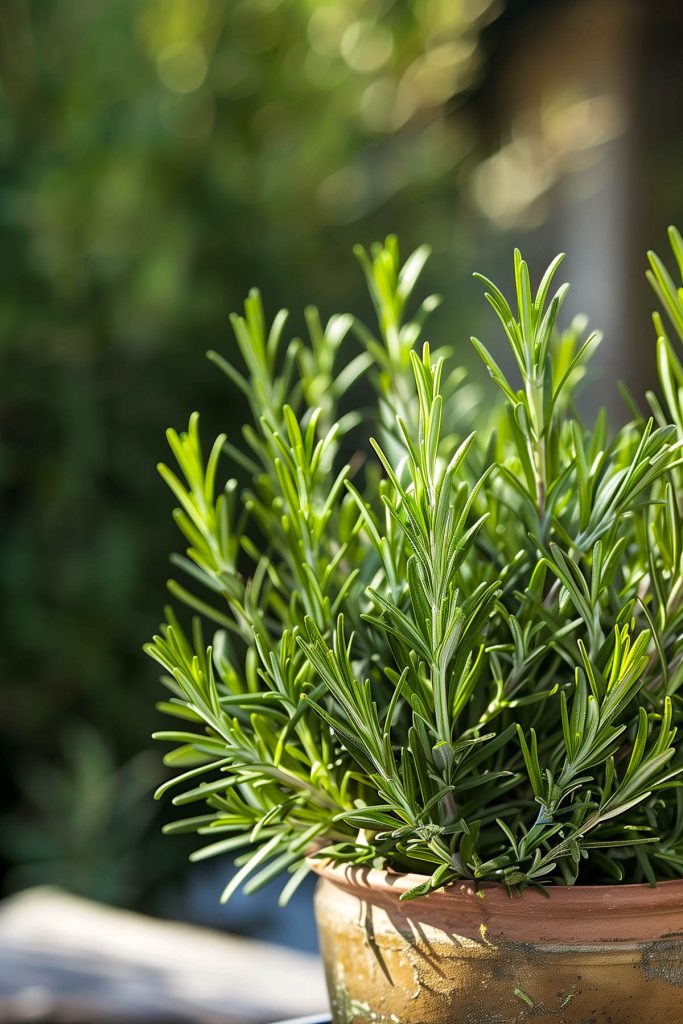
(366, 45)
(182, 66)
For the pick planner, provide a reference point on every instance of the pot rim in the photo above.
(563, 900)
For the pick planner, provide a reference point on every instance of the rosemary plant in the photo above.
(436, 651)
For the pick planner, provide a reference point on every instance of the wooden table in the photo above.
(67, 959)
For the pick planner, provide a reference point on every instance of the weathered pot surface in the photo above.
(583, 955)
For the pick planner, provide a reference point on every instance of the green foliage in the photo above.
(95, 851)
(671, 298)
(459, 655)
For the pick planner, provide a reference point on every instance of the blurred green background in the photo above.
(160, 157)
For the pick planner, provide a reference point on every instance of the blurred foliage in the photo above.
(158, 158)
(87, 817)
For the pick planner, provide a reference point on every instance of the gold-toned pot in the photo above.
(584, 955)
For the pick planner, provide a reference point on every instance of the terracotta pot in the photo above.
(585, 955)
